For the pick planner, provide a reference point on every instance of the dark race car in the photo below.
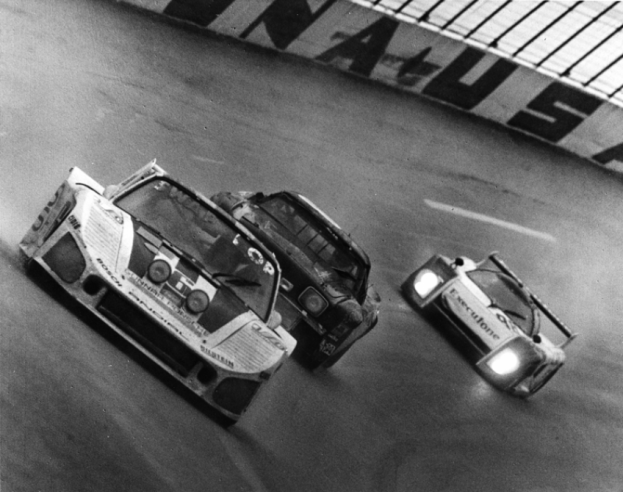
(174, 275)
(326, 301)
(496, 314)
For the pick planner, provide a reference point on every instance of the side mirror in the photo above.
(274, 321)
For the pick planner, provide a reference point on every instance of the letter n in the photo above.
(364, 48)
(286, 20)
(448, 87)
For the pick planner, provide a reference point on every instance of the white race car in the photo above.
(495, 313)
(173, 274)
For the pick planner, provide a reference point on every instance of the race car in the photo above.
(174, 275)
(498, 317)
(325, 300)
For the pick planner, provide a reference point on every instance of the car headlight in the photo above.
(159, 271)
(197, 301)
(312, 301)
(506, 362)
(425, 281)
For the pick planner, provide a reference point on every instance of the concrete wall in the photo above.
(405, 56)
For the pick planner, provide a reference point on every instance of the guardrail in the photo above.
(406, 56)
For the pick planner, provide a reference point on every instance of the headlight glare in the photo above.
(504, 362)
(424, 282)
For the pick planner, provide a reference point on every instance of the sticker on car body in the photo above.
(477, 317)
(102, 233)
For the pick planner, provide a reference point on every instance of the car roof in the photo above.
(329, 223)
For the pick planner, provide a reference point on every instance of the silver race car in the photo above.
(181, 280)
(496, 314)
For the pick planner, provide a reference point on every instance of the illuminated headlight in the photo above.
(313, 302)
(504, 363)
(424, 282)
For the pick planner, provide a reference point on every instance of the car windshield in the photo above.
(506, 295)
(193, 227)
(311, 244)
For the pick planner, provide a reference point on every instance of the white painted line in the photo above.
(490, 220)
(205, 159)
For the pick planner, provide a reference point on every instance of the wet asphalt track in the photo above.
(97, 85)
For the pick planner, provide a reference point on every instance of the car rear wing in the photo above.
(540, 304)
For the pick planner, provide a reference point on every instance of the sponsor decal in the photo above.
(286, 20)
(177, 311)
(44, 215)
(102, 233)
(255, 256)
(268, 335)
(448, 87)
(410, 71)
(219, 357)
(139, 282)
(250, 350)
(74, 222)
(365, 48)
(155, 313)
(552, 114)
(477, 318)
(268, 269)
(110, 274)
(173, 298)
(556, 112)
(507, 322)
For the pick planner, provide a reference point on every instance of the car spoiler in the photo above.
(540, 304)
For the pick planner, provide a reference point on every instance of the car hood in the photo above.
(227, 332)
(492, 327)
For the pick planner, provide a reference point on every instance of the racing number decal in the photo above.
(268, 268)
(46, 210)
(256, 256)
(258, 259)
(504, 320)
